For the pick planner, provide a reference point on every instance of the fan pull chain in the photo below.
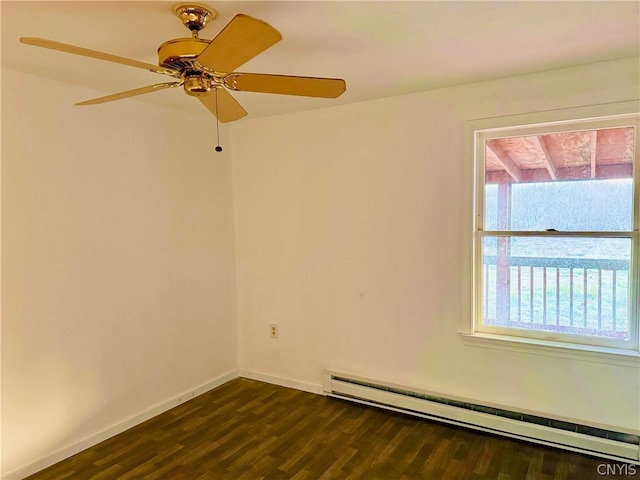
(218, 147)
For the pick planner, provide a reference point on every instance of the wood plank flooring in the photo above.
(248, 430)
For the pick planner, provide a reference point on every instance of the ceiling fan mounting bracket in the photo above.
(194, 16)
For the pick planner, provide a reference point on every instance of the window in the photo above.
(556, 232)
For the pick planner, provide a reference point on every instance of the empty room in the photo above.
(304, 240)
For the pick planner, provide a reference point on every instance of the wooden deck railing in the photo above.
(574, 295)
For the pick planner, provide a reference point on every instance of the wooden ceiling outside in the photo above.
(584, 155)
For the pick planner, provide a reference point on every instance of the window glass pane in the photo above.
(576, 181)
(593, 205)
(563, 285)
(491, 207)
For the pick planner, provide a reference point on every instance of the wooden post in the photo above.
(503, 283)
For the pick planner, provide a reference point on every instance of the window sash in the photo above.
(480, 326)
(480, 139)
(616, 121)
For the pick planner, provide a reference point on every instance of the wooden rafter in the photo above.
(504, 160)
(623, 170)
(546, 155)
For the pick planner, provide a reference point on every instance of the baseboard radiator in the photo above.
(615, 445)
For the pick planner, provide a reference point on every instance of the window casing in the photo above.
(556, 232)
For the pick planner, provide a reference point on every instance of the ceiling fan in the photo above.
(206, 68)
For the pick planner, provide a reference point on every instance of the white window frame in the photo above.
(583, 118)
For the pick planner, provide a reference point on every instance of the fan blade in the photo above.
(240, 40)
(286, 84)
(228, 108)
(63, 47)
(131, 93)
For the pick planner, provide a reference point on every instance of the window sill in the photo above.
(613, 356)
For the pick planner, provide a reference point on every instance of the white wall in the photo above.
(118, 263)
(353, 232)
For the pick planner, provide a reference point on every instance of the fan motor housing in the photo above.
(181, 53)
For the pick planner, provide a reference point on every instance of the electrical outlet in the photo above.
(274, 330)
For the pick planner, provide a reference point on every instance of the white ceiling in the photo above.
(381, 48)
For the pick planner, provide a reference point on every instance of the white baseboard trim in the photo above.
(282, 381)
(120, 427)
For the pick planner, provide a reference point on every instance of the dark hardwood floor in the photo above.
(248, 430)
